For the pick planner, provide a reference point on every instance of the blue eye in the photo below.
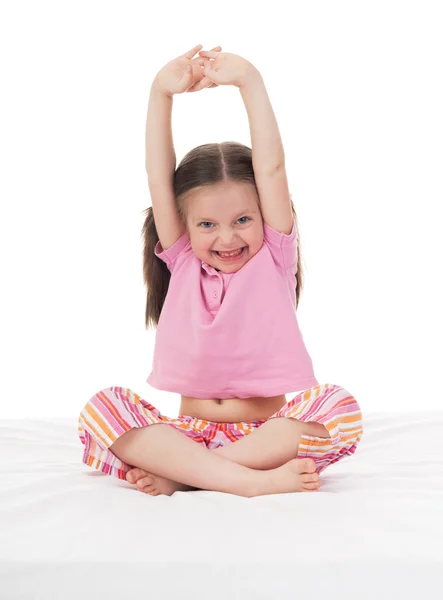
(210, 222)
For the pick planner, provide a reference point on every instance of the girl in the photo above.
(222, 266)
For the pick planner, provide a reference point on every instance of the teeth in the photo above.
(227, 254)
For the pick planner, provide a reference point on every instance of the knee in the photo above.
(107, 395)
(103, 396)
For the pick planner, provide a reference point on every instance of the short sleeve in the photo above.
(283, 247)
(171, 255)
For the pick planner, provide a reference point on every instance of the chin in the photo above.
(230, 268)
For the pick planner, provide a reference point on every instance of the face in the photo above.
(225, 217)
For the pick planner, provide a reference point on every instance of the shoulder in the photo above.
(171, 255)
(282, 246)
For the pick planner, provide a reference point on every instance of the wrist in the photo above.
(158, 91)
(251, 79)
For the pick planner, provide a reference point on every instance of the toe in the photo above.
(151, 489)
(310, 477)
(309, 464)
(130, 476)
(134, 475)
(145, 481)
(311, 486)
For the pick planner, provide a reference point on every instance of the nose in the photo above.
(228, 242)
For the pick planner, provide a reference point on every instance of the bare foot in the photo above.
(148, 483)
(297, 475)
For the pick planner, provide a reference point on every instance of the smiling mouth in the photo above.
(229, 258)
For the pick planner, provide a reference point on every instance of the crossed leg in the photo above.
(272, 445)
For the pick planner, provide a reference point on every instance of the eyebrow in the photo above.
(242, 213)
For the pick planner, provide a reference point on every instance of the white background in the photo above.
(357, 91)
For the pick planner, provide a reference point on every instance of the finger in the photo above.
(200, 58)
(193, 50)
(194, 88)
(209, 70)
(216, 49)
(205, 82)
(208, 53)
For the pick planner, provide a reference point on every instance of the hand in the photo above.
(174, 78)
(227, 68)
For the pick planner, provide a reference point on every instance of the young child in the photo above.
(222, 266)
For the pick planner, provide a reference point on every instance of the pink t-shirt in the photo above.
(231, 335)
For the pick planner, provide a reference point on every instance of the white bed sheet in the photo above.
(373, 531)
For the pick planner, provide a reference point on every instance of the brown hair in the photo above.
(205, 165)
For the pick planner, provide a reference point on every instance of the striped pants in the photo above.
(113, 411)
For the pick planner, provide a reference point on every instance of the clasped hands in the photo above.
(210, 69)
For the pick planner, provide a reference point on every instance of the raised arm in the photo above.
(160, 166)
(182, 74)
(160, 153)
(268, 158)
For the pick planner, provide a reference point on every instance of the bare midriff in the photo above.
(231, 410)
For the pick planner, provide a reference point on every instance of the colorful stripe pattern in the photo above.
(336, 409)
(113, 411)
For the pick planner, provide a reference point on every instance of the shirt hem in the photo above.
(259, 391)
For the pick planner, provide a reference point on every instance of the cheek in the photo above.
(256, 241)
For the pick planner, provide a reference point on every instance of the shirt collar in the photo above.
(209, 268)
